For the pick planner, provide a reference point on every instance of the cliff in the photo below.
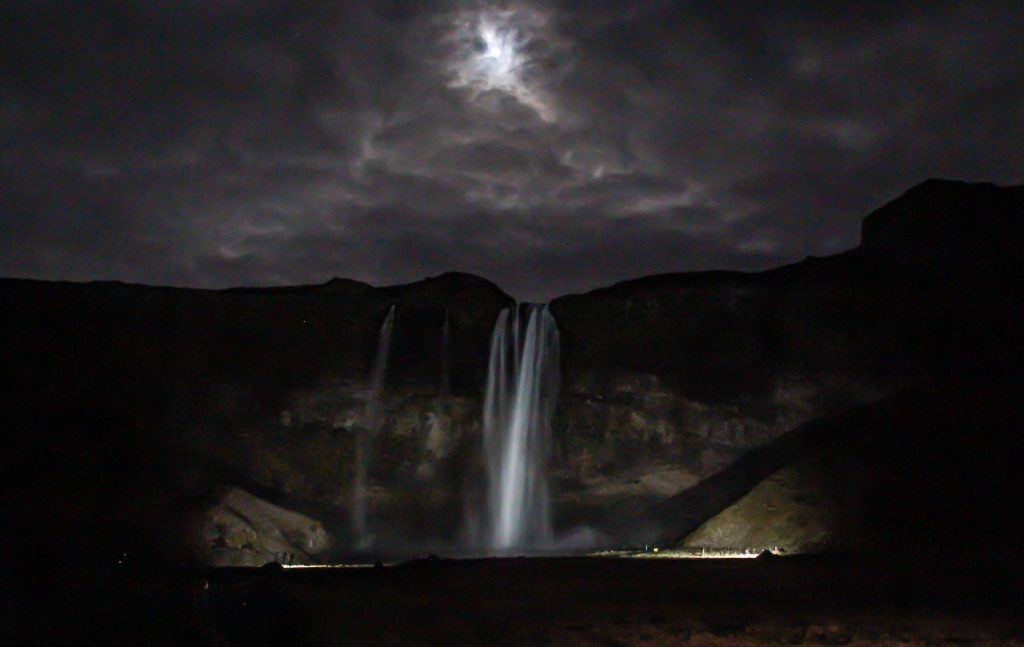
(130, 406)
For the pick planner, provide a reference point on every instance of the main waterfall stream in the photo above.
(522, 388)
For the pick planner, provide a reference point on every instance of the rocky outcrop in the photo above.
(240, 529)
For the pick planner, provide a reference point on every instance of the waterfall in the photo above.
(522, 387)
(368, 428)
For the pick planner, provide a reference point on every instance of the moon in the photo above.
(498, 57)
(490, 56)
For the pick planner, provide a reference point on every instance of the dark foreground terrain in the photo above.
(957, 599)
(566, 601)
(595, 601)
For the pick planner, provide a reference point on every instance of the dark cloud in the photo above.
(550, 146)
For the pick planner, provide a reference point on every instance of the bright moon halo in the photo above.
(490, 58)
(498, 58)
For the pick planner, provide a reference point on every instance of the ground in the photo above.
(611, 601)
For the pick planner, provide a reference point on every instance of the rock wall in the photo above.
(667, 381)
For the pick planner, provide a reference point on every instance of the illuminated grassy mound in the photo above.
(795, 509)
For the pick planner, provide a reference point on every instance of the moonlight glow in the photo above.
(552, 147)
(498, 58)
(490, 57)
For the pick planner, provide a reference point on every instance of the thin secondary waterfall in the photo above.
(522, 387)
(369, 427)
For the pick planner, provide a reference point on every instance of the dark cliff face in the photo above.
(925, 311)
(166, 347)
(927, 304)
(949, 223)
(127, 395)
(929, 289)
(130, 400)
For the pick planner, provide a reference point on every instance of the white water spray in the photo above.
(522, 387)
(370, 425)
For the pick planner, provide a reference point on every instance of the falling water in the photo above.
(369, 426)
(522, 387)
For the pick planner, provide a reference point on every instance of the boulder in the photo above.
(240, 529)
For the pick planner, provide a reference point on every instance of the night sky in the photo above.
(551, 147)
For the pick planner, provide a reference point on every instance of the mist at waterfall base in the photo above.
(514, 516)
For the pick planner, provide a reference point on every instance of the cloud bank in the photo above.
(551, 147)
